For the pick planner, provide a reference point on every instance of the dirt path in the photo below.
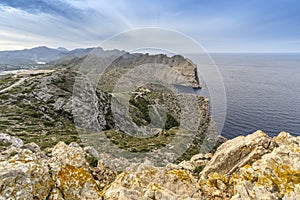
(19, 82)
(25, 72)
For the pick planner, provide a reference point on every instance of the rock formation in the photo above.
(269, 169)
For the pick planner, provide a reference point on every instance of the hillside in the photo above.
(38, 106)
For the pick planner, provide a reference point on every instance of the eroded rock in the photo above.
(238, 152)
(71, 172)
(270, 171)
(149, 182)
(24, 174)
(275, 176)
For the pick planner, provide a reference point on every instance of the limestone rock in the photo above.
(275, 176)
(24, 174)
(285, 138)
(77, 183)
(216, 187)
(63, 154)
(71, 172)
(270, 170)
(235, 153)
(103, 174)
(6, 139)
(149, 182)
(56, 195)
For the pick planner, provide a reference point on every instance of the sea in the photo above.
(262, 91)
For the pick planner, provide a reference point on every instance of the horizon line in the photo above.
(209, 52)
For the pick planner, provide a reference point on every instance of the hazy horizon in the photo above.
(212, 52)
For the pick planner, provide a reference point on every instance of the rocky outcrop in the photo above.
(24, 174)
(275, 176)
(6, 140)
(238, 152)
(27, 173)
(148, 182)
(270, 170)
(68, 172)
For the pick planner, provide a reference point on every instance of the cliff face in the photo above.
(114, 65)
(251, 167)
(178, 63)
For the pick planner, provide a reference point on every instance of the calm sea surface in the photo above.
(263, 93)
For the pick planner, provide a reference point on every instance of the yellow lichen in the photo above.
(73, 177)
(282, 176)
(181, 174)
(155, 186)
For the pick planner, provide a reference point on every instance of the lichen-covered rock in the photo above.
(56, 194)
(195, 165)
(63, 154)
(24, 174)
(149, 182)
(103, 174)
(216, 187)
(275, 176)
(77, 183)
(270, 171)
(71, 172)
(238, 152)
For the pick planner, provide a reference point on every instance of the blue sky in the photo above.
(218, 25)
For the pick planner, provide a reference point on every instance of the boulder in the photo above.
(235, 153)
(71, 172)
(270, 170)
(24, 174)
(275, 176)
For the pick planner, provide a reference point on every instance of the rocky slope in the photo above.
(251, 167)
(44, 107)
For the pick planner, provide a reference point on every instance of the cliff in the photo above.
(251, 167)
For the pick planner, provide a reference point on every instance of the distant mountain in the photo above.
(40, 55)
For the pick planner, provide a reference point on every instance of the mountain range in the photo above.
(40, 55)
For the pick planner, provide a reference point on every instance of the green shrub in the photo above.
(198, 169)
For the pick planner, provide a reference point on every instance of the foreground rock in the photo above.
(27, 173)
(24, 174)
(154, 183)
(238, 152)
(275, 176)
(251, 167)
(254, 167)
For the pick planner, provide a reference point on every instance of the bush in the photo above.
(198, 169)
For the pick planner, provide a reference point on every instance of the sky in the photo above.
(218, 25)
